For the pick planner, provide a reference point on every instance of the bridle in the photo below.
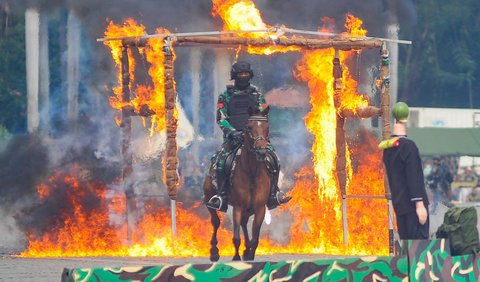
(255, 139)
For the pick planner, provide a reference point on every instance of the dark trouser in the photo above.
(410, 228)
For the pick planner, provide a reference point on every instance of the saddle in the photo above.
(229, 165)
(271, 161)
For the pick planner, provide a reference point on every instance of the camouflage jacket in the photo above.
(223, 106)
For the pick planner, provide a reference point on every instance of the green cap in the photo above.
(400, 111)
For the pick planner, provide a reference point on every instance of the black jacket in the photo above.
(405, 176)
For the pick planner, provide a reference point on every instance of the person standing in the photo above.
(405, 177)
(440, 181)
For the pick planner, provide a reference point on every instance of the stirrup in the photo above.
(282, 198)
(278, 199)
(216, 203)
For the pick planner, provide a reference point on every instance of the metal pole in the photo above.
(391, 237)
(275, 30)
(344, 221)
(173, 205)
(184, 34)
(364, 197)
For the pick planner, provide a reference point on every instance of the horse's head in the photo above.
(257, 134)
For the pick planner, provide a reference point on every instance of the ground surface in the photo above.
(49, 270)
(13, 268)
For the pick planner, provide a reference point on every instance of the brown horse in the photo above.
(249, 191)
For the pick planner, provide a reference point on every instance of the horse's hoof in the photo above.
(246, 256)
(214, 257)
(236, 258)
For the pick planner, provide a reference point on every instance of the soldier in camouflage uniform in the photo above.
(232, 117)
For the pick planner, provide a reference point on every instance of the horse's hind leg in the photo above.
(215, 220)
(237, 216)
(209, 191)
(245, 236)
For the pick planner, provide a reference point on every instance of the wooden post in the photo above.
(341, 160)
(126, 141)
(386, 132)
(385, 92)
(302, 43)
(171, 159)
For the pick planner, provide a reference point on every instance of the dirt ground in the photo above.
(48, 270)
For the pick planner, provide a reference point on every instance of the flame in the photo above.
(129, 28)
(101, 230)
(315, 210)
(354, 26)
(144, 95)
(350, 98)
(79, 230)
(86, 224)
(244, 15)
(321, 226)
(156, 57)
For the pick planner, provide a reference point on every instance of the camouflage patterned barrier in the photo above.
(346, 269)
(430, 260)
(416, 260)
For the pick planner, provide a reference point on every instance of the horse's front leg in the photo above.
(237, 217)
(215, 220)
(256, 226)
(244, 223)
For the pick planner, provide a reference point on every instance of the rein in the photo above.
(252, 147)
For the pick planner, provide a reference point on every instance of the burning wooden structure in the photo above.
(275, 38)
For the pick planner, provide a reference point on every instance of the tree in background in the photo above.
(13, 98)
(441, 67)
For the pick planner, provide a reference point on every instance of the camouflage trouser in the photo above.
(218, 159)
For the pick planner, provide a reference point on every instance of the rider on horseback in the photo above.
(232, 117)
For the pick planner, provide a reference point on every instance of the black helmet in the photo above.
(240, 67)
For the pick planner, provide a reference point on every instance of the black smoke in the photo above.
(305, 14)
(25, 163)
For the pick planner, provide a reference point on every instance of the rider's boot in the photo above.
(277, 197)
(219, 201)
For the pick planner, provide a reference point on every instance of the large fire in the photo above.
(144, 94)
(315, 210)
(244, 15)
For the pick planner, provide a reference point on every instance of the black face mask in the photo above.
(242, 82)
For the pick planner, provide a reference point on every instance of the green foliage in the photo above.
(440, 68)
(4, 137)
(12, 77)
